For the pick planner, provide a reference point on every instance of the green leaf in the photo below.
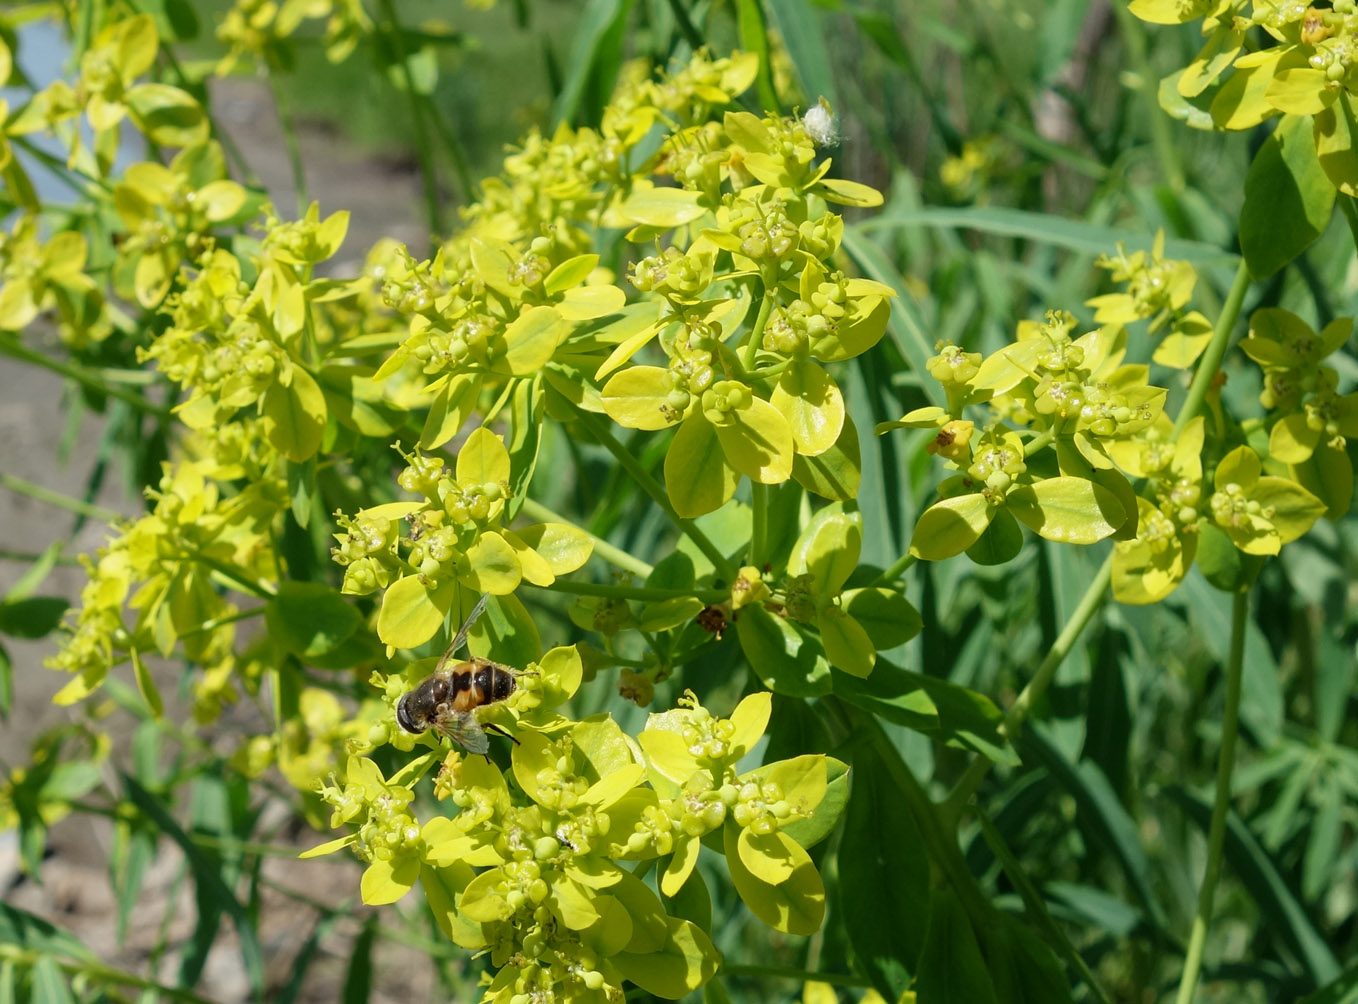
(593, 25)
(530, 341)
(32, 617)
(812, 404)
(1342, 990)
(448, 412)
(796, 905)
(167, 115)
(952, 968)
(1288, 198)
(146, 685)
(828, 550)
(681, 964)
(31, 933)
(213, 895)
(49, 982)
(834, 474)
(950, 526)
(637, 397)
(883, 886)
(887, 616)
(294, 416)
(1001, 542)
(310, 618)
(1023, 967)
(846, 644)
(493, 566)
(804, 34)
(1067, 510)
(697, 476)
(1334, 135)
(358, 980)
(411, 614)
(787, 661)
(6, 684)
(758, 443)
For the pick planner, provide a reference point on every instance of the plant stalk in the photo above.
(1210, 363)
(1216, 835)
(57, 499)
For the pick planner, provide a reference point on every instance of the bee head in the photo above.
(403, 718)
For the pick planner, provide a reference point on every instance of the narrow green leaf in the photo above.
(883, 880)
(952, 969)
(310, 618)
(34, 617)
(212, 894)
(359, 980)
(804, 34)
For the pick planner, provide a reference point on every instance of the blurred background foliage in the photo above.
(1016, 141)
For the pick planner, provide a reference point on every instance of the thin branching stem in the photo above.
(1221, 806)
(288, 124)
(56, 499)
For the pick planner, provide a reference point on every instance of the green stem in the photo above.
(1210, 362)
(895, 570)
(1013, 721)
(11, 346)
(433, 211)
(622, 592)
(759, 521)
(99, 971)
(1042, 440)
(1349, 207)
(1216, 836)
(57, 499)
(757, 332)
(800, 975)
(28, 557)
(657, 492)
(615, 556)
(286, 123)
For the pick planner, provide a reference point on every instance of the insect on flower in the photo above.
(446, 700)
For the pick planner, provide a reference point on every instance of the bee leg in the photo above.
(492, 727)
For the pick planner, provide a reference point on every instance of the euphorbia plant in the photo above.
(670, 300)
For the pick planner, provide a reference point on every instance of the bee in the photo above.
(446, 700)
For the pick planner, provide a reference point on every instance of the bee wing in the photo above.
(464, 730)
(467, 624)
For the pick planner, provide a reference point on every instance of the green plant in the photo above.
(683, 268)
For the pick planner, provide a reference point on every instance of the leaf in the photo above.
(834, 474)
(1067, 510)
(358, 980)
(697, 477)
(411, 614)
(812, 404)
(294, 416)
(803, 32)
(530, 341)
(952, 968)
(1044, 228)
(146, 685)
(796, 905)
(310, 618)
(638, 398)
(887, 616)
(758, 443)
(787, 661)
(32, 617)
(448, 412)
(1334, 135)
(681, 964)
(167, 115)
(212, 893)
(1288, 198)
(883, 888)
(482, 459)
(661, 207)
(1101, 817)
(828, 550)
(950, 526)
